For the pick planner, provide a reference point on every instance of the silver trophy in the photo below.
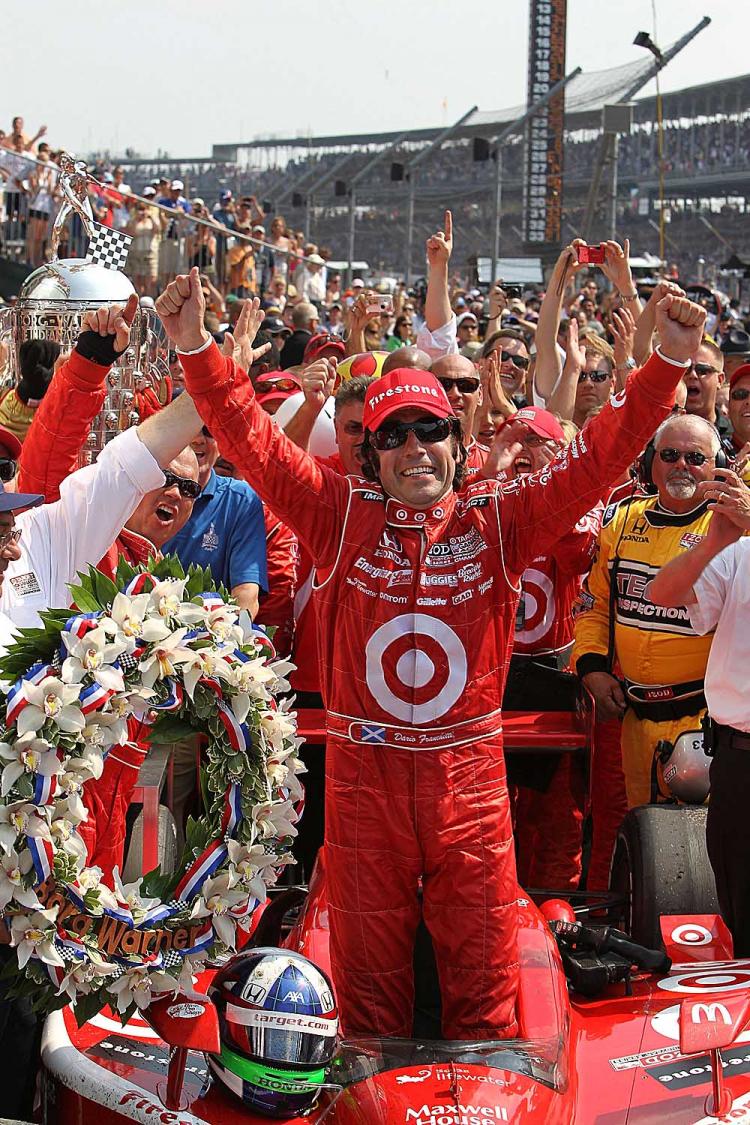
(55, 298)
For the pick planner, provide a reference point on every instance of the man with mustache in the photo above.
(662, 658)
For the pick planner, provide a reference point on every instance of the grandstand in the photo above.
(707, 177)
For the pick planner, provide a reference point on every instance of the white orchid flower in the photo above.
(126, 616)
(281, 669)
(21, 818)
(27, 755)
(85, 978)
(33, 935)
(246, 864)
(279, 728)
(222, 622)
(137, 985)
(113, 730)
(218, 898)
(166, 597)
(93, 655)
(68, 840)
(275, 818)
(282, 775)
(271, 874)
(130, 893)
(206, 662)
(254, 678)
(51, 699)
(89, 762)
(13, 867)
(162, 661)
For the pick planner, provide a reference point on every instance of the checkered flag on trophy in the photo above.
(108, 248)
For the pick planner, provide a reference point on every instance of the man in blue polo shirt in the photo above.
(226, 532)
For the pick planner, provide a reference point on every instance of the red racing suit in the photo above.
(416, 610)
(549, 823)
(49, 455)
(282, 562)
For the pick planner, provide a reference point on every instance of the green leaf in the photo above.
(86, 1007)
(168, 729)
(84, 598)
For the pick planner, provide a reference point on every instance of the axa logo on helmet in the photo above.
(294, 997)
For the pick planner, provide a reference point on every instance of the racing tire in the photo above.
(167, 853)
(660, 866)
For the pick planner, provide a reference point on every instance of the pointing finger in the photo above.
(448, 226)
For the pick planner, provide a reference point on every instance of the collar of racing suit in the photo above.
(423, 519)
(661, 517)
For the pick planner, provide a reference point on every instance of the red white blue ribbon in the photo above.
(16, 700)
(43, 854)
(140, 584)
(94, 697)
(203, 941)
(211, 601)
(174, 699)
(232, 814)
(204, 867)
(238, 733)
(45, 789)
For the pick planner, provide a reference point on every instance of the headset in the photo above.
(644, 466)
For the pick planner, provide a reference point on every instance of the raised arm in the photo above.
(312, 499)
(318, 384)
(538, 509)
(548, 362)
(437, 307)
(562, 401)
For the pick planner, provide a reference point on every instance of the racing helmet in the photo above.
(278, 1023)
(683, 766)
(364, 363)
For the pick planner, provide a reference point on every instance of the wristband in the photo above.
(684, 364)
(629, 296)
(196, 351)
(98, 349)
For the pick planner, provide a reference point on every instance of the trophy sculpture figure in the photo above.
(55, 298)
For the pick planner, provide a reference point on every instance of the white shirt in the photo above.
(59, 540)
(442, 341)
(723, 603)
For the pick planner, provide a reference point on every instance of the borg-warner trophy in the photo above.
(55, 298)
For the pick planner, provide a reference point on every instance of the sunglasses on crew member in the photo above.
(521, 361)
(10, 537)
(465, 386)
(280, 385)
(692, 457)
(739, 394)
(701, 369)
(190, 489)
(426, 431)
(8, 468)
(594, 376)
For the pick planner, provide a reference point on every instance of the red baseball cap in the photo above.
(9, 441)
(323, 342)
(540, 422)
(276, 386)
(740, 373)
(401, 388)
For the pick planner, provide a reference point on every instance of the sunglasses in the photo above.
(464, 386)
(206, 432)
(692, 457)
(521, 361)
(190, 489)
(739, 395)
(426, 431)
(10, 537)
(594, 376)
(280, 385)
(8, 468)
(701, 369)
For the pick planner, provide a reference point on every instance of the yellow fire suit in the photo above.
(662, 660)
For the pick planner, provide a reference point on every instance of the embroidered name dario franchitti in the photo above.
(635, 608)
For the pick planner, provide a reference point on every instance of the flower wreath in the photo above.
(151, 644)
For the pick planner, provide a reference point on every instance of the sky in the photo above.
(182, 75)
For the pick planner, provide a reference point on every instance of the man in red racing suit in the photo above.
(416, 607)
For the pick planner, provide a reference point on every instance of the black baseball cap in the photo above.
(275, 325)
(737, 342)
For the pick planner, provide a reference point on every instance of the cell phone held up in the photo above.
(591, 255)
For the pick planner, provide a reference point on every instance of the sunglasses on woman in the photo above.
(692, 457)
(427, 431)
(190, 489)
(739, 395)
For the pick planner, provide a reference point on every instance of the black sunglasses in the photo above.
(739, 395)
(702, 369)
(205, 431)
(190, 489)
(521, 361)
(465, 386)
(8, 468)
(426, 430)
(692, 457)
(594, 376)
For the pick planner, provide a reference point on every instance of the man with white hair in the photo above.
(661, 657)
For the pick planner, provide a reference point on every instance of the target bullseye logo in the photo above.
(690, 933)
(714, 976)
(539, 605)
(416, 667)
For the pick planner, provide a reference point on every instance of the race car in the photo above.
(643, 1047)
